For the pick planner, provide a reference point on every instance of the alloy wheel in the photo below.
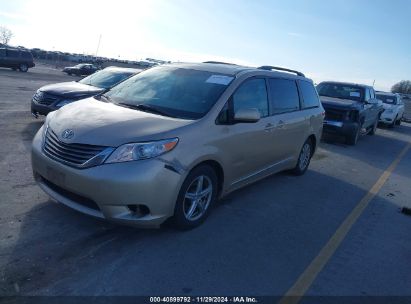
(304, 156)
(197, 198)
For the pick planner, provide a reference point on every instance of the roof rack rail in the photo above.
(270, 68)
(219, 62)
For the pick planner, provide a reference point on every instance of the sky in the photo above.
(345, 40)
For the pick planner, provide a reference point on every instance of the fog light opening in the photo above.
(139, 210)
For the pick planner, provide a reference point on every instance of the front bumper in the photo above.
(339, 127)
(107, 191)
(41, 109)
(387, 118)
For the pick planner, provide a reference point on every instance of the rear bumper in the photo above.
(108, 191)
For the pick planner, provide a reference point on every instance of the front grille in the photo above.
(71, 154)
(334, 115)
(44, 98)
(78, 199)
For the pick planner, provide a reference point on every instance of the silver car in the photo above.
(170, 141)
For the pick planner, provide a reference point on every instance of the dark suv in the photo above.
(351, 109)
(13, 58)
(81, 69)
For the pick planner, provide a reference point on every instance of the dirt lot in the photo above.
(258, 241)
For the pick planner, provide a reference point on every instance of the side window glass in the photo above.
(284, 94)
(367, 94)
(372, 93)
(12, 53)
(309, 94)
(252, 94)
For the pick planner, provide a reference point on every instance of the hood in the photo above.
(71, 89)
(387, 106)
(105, 124)
(339, 103)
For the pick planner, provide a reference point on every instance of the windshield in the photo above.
(388, 99)
(106, 79)
(182, 93)
(339, 90)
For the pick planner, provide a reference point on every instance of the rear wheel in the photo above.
(304, 158)
(196, 196)
(352, 138)
(23, 67)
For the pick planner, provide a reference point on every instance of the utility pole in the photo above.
(373, 83)
(98, 45)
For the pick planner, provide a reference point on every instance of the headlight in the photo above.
(64, 102)
(137, 151)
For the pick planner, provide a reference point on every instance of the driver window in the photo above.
(367, 94)
(372, 93)
(252, 94)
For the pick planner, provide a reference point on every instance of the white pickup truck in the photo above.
(393, 108)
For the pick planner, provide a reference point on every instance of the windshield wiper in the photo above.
(145, 108)
(103, 98)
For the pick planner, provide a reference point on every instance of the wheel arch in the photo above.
(217, 167)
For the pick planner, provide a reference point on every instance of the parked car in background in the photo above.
(16, 58)
(351, 109)
(54, 96)
(81, 69)
(171, 140)
(393, 108)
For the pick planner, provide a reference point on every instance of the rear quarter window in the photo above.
(309, 95)
(26, 55)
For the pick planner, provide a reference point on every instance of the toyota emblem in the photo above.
(67, 134)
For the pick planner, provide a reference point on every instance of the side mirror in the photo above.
(249, 115)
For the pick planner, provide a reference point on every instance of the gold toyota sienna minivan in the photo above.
(170, 141)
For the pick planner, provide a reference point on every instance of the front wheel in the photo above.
(23, 67)
(304, 158)
(374, 127)
(398, 122)
(352, 138)
(196, 196)
(394, 122)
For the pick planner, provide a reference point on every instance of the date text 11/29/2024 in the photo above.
(203, 300)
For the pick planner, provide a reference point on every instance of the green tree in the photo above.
(403, 87)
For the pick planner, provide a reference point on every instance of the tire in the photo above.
(186, 215)
(374, 127)
(352, 138)
(394, 122)
(304, 158)
(23, 67)
(398, 122)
